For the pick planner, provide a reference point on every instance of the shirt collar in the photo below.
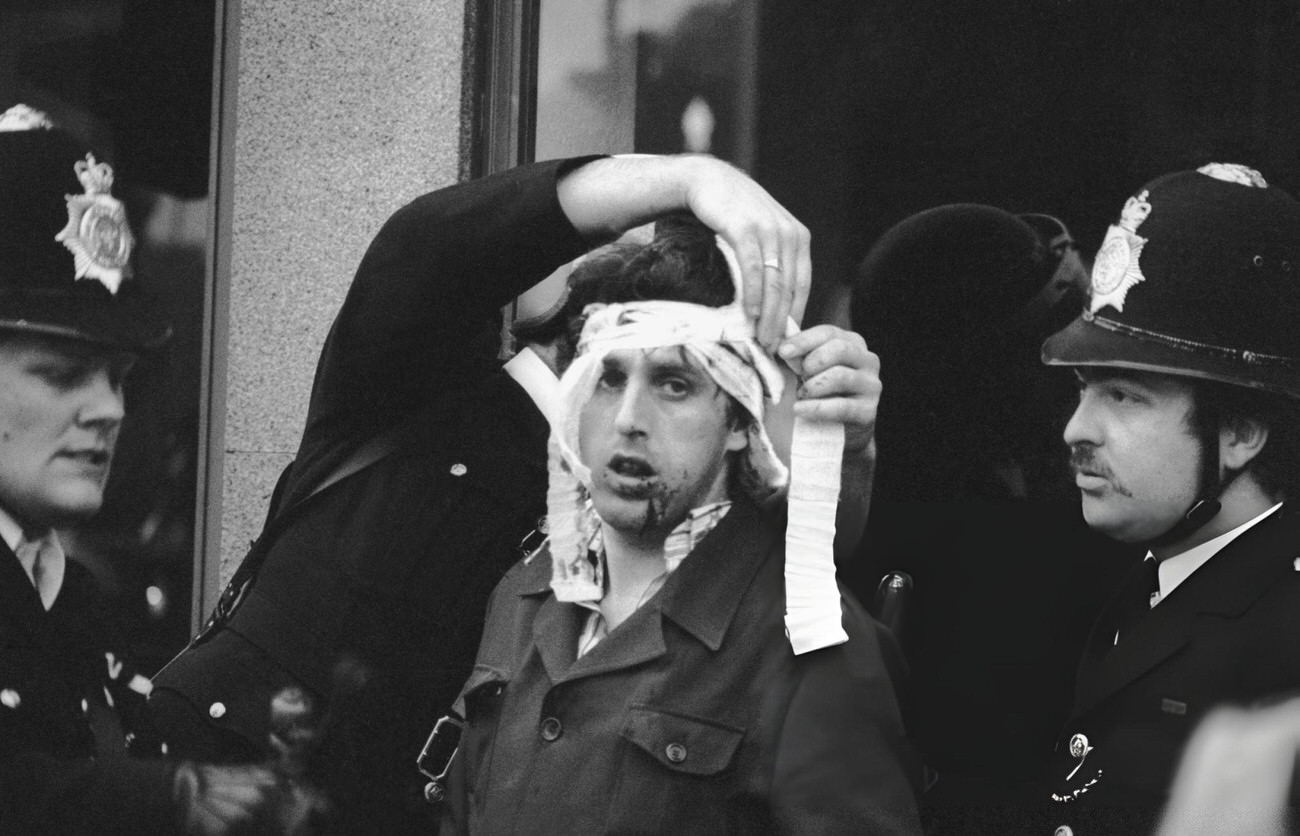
(10, 531)
(536, 378)
(53, 560)
(1174, 570)
(680, 542)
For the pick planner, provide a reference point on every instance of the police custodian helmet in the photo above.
(65, 245)
(946, 278)
(1201, 278)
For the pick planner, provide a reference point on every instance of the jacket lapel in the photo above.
(1227, 584)
(701, 597)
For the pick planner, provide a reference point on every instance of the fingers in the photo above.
(823, 347)
(840, 380)
(787, 276)
(803, 276)
(772, 247)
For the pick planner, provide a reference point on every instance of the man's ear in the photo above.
(1240, 441)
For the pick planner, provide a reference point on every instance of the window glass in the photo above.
(134, 79)
(858, 113)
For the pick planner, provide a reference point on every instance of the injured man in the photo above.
(677, 657)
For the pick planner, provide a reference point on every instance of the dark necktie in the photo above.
(1136, 602)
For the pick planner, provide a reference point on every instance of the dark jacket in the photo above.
(1227, 634)
(392, 566)
(693, 716)
(63, 767)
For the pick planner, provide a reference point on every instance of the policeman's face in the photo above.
(1135, 457)
(60, 408)
(656, 436)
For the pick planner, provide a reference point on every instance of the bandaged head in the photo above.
(720, 340)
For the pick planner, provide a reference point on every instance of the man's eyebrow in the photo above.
(675, 361)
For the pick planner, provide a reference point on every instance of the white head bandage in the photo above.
(721, 341)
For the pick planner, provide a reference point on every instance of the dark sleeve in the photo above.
(423, 312)
(844, 763)
(46, 795)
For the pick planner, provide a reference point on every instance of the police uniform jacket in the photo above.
(62, 681)
(392, 566)
(1227, 634)
(692, 716)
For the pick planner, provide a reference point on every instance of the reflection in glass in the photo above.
(655, 77)
(134, 78)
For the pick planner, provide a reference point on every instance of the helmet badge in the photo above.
(97, 232)
(1117, 267)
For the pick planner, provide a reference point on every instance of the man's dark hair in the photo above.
(1277, 467)
(682, 263)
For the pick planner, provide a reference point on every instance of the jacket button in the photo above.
(10, 698)
(1079, 745)
(551, 729)
(217, 710)
(459, 469)
(675, 752)
(1064, 830)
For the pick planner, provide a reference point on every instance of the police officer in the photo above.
(72, 323)
(971, 493)
(1184, 440)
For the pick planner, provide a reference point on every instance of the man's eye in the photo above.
(60, 376)
(675, 386)
(610, 379)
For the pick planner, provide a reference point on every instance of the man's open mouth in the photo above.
(631, 467)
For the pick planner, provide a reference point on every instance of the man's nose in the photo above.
(1082, 426)
(630, 418)
(104, 402)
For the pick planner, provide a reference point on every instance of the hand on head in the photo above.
(772, 246)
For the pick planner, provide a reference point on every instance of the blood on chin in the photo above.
(654, 499)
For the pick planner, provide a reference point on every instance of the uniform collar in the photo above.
(10, 531)
(53, 560)
(1174, 570)
(536, 379)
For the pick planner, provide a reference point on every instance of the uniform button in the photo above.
(459, 469)
(675, 752)
(1064, 830)
(10, 698)
(217, 710)
(1079, 745)
(551, 729)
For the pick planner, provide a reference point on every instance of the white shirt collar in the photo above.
(536, 378)
(1174, 570)
(53, 561)
(10, 531)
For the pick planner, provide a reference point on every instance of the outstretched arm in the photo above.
(608, 196)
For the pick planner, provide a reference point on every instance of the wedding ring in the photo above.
(773, 264)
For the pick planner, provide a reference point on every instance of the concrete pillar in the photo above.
(334, 114)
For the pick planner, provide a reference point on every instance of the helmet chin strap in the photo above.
(1211, 485)
(1201, 512)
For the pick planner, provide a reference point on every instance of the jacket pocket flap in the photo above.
(691, 745)
(485, 683)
